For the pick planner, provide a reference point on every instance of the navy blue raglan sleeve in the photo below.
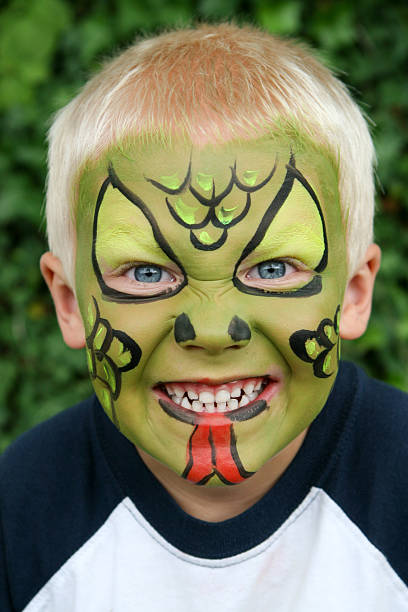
(55, 492)
(5, 597)
(371, 483)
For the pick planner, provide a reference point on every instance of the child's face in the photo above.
(210, 284)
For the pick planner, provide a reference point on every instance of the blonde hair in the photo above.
(211, 84)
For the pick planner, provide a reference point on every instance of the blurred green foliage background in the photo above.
(48, 48)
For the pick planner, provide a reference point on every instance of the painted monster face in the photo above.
(210, 283)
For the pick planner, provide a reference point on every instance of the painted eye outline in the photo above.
(120, 280)
(109, 293)
(291, 281)
(314, 286)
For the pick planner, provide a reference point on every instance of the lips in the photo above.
(238, 400)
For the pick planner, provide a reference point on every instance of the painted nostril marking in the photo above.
(238, 329)
(183, 329)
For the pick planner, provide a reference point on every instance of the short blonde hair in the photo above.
(212, 84)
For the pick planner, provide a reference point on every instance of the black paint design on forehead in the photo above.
(183, 329)
(315, 285)
(211, 203)
(170, 191)
(239, 330)
(315, 346)
(108, 292)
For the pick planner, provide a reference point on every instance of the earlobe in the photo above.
(66, 305)
(356, 308)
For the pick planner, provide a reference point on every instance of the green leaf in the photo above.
(279, 17)
(28, 34)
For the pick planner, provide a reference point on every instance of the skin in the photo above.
(274, 311)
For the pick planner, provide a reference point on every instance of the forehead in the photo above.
(209, 201)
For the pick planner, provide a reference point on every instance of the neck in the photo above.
(215, 504)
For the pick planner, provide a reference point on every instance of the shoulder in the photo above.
(370, 479)
(57, 462)
(382, 420)
(377, 410)
(40, 450)
(56, 490)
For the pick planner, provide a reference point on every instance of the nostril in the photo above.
(183, 329)
(239, 330)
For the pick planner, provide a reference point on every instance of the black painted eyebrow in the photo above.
(302, 179)
(108, 292)
(315, 285)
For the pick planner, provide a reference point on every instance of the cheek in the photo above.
(289, 323)
(147, 323)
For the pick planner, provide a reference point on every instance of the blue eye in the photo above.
(148, 274)
(272, 269)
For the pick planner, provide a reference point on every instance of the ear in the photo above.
(358, 295)
(66, 305)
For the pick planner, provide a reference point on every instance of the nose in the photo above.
(213, 335)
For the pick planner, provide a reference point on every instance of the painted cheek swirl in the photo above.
(110, 352)
(315, 346)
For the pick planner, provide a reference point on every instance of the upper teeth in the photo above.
(191, 397)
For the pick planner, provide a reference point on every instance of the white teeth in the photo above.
(249, 387)
(221, 401)
(244, 401)
(185, 403)
(222, 396)
(169, 389)
(178, 391)
(206, 397)
(236, 392)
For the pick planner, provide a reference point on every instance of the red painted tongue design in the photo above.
(212, 451)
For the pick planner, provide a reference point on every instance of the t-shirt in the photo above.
(86, 527)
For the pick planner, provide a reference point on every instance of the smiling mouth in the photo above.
(238, 400)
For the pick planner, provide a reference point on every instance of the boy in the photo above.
(209, 209)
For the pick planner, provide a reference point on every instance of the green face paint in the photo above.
(238, 246)
(185, 212)
(250, 177)
(172, 182)
(205, 181)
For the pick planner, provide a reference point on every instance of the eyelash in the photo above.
(146, 265)
(270, 261)
(295, 266)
